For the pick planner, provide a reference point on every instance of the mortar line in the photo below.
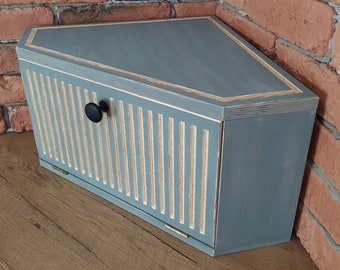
(78, 4)
(244, 14)
(135, 2)
(321, 59)
(11, 73)
(327, 235)
(227, 6)
(329, 126)
(172, 9)
(14, 103)
(9, 41)
(10, 6)
(333, 190)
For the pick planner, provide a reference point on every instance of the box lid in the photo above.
(198, 59)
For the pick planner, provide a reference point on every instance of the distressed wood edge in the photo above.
(270, 108)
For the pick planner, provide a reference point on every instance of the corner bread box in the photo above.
(180, 122)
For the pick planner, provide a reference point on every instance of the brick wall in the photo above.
(304, 38)
(16, 15)
(301, 36)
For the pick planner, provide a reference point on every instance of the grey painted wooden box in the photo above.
(204, 137)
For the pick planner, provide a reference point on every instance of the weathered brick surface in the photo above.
(314, 240)
(325, 150)
(48, 1)
(336, 49)
(8, 58)
(317, 196)
(240, 4)
(308, 23)
(19, 118)
(320, 78)
(256, 35)
(113, 12)
(195, 9)
(3, 126)
(11, 89)
(13, 21)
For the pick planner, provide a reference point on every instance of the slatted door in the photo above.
(155, 157)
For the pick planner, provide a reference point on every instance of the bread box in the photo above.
(179, 121)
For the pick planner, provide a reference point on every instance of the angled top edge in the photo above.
(198, 56)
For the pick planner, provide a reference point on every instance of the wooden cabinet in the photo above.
(196, 131)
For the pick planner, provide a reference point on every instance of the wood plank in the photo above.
(47, 222)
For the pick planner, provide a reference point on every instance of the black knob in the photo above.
(94, 112)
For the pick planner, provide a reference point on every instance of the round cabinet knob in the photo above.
(94, 112)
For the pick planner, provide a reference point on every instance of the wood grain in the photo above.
(47, 222)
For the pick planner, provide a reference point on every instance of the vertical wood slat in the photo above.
(35, 109)
(205, 151)
(49, 121)
(84, 133)
(55, 121)
(63, 146)
(42, 113)
(141, 141)
(69, 126)
(100, 146)
(62, 122)
(76, 128)
(108, 150)
(171, 167)
(133, 151)
(192, 177)
(92, 141)
(151, 159)
(181, 171)
(161, 163)
(124, 147)
(115, 144)
(54, 129)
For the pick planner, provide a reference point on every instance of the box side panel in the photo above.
(262, 168)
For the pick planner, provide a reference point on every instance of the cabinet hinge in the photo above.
(176, 230)
(59, 170)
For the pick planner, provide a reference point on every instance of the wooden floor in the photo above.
(47, 222)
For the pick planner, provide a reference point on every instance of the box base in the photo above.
(149, 218)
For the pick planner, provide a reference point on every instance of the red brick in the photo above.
(3, 126)
(114, 12)
(336, 49)
(256, 35)
(317, 196)
(13, 21)
(320, 78)
(19, 118)
(11, 89)
(47, 1)
(195, 9)
(240, 4)
(315, 242)
(8, 58)
(325, 150)
(308, 24)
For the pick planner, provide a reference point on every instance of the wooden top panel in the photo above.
(197, 56)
